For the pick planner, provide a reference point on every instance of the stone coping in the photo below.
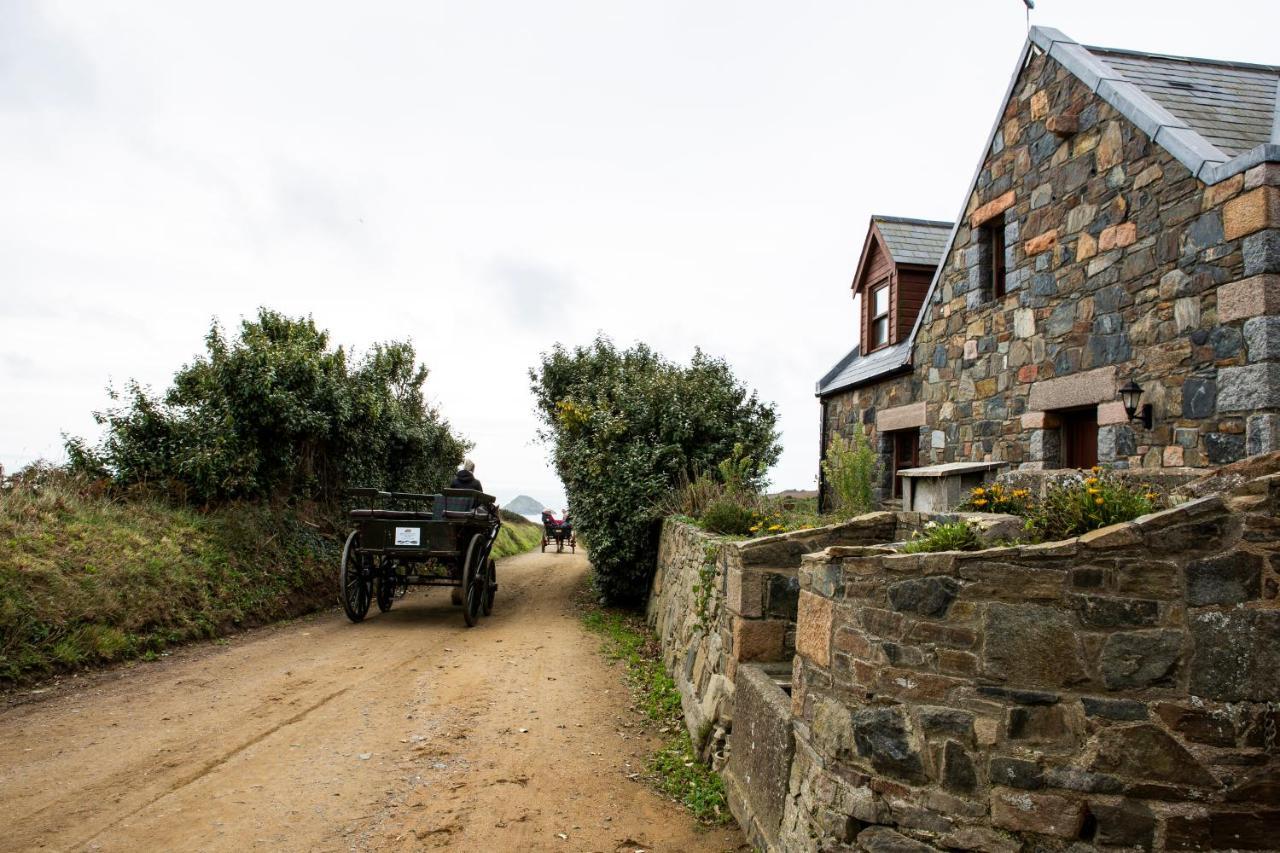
(950, 469)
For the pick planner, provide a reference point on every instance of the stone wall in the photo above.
(1117, 690)
(717, 602)
(1121, 265)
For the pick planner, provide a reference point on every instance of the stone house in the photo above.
(1123, 225)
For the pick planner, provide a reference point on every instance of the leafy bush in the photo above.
(1088, 501)
(950, 536)
(276, 412)
(996, 498)
(729, 517)
(852, 469)
(626, 427)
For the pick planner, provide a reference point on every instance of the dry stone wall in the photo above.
(1115, 691)
(717, 602)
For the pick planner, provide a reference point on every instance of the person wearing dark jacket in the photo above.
(466, 478)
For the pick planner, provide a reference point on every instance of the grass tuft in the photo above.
(674, 769)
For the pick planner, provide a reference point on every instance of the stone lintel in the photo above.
(1079, 389)
(900, 417)
(991, 209)
(1249, 297)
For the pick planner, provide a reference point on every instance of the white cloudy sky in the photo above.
(487, 178)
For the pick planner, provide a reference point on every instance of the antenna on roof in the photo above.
(1030, 4)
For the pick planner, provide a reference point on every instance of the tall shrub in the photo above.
(624, 428)
(852, 469)
(276, 411)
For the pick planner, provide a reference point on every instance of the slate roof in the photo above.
(855, 369)
(1217, 118)
(1232, 105)
(914, 241)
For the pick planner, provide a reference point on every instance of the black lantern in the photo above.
(1131, 394)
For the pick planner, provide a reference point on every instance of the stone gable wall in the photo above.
(1118, 690)
(1121, 265)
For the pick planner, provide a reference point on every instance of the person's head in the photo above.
(468, 465)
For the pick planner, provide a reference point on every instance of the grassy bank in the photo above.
(674, 769)
(88, 580)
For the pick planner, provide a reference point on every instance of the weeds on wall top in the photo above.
(1070, 506)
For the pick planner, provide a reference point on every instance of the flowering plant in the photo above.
(995, 497)
(1092, 499)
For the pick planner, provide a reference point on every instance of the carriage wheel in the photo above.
(355, 585)
(544, 543)
(472, 583)
(490, 588)
(386, 592)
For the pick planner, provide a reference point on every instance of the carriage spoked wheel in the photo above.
(473, 583)
(355, 580)
(386, 588)
(490, 587)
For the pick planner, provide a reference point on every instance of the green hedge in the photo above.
(625, 427)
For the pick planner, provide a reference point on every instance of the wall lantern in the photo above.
(1131, 394)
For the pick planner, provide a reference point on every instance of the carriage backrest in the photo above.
(462, 501)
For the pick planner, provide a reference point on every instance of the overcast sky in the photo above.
(488, 178)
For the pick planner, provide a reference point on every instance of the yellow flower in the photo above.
(1092, 491)
(1098, 501)
(775, 526)
(1091, 481)
(1151, 496)
(754, 528)
(980, 502)
(978, 490)
(1096, 468)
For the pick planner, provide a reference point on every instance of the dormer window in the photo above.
(879, 319)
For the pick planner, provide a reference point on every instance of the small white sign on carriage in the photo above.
(408, 535)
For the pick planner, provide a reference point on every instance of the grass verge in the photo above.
(674, 769)
(518, 534)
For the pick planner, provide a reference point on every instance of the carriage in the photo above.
(558, 532)
(403, 539)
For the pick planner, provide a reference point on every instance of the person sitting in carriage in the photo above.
(466, 477)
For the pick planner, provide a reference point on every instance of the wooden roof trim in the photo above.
(873, 237)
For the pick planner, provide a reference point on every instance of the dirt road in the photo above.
(406, 732)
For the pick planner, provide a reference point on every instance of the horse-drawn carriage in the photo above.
(558, 532)
(420, 540)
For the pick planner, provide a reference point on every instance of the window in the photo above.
(879, 316)
(994, 273)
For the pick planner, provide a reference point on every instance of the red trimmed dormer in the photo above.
(898, 261)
